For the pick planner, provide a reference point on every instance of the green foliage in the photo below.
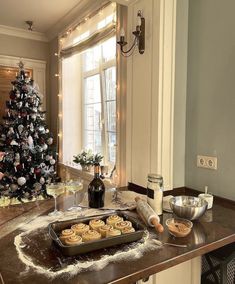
(87, 158)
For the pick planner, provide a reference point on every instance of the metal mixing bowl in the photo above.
(188, 207)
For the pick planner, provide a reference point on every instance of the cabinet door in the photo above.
(188, 272)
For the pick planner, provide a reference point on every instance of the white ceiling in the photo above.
(44, 13)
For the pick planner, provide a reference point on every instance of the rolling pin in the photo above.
(148, 215)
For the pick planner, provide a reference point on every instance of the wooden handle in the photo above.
(159, 228)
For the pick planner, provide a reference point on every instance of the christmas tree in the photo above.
(27, 157)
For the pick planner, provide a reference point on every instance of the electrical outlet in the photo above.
(207, 162)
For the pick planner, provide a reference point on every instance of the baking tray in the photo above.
(56, 227)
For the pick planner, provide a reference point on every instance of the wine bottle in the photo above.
(96, 190)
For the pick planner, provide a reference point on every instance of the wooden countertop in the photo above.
(215, 229)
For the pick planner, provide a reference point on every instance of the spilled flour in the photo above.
(27, 248)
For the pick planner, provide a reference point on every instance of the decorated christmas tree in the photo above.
(27, 157)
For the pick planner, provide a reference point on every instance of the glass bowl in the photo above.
(179, 227)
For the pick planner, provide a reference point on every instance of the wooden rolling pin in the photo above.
(148, 215)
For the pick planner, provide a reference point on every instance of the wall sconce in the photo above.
(139, 39)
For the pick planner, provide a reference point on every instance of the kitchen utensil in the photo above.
(188, 207)
(148, 215)
(55, 229)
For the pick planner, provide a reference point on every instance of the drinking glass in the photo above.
(114, 181)
(75, 186)
(55, 190)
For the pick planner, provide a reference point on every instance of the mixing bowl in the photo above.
(188, 207)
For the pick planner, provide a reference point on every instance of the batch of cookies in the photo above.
(97, 229)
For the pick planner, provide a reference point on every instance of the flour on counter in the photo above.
(132, 251)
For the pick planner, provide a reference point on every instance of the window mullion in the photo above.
(103, 112)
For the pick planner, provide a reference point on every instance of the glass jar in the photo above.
(155, 192)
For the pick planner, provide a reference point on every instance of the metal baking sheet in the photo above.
(55, 229)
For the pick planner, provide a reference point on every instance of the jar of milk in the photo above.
(155, 192)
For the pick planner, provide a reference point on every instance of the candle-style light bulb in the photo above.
(138, 21)
(122, 32)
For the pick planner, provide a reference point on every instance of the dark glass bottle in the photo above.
(96, 190)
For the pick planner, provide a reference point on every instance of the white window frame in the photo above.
(100, 71)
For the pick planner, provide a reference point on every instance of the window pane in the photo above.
(93, 141)
(112, 146)
(110, 83)
(92, 117)
(109, 49)
(92, 89)
(91, 58)
(111, 115)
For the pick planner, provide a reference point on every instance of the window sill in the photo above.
(65, 171)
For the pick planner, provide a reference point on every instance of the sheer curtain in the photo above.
(75, 50)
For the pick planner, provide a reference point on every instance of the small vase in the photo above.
(86, 168)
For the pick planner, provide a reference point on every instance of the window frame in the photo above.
(100, 70)
(121, 105)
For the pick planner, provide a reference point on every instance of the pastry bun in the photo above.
(80, 228)
(104, 229)
(74, 240)
(113, 233)
(65, 234)
(95, 224)
(123, 224)
(113, 219)
(91, 235)
(128, 230)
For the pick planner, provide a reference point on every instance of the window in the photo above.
(89, 92)
(99, 100)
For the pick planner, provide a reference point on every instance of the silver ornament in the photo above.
(42, 180)
(37, 186)
(41, 128)
(50, 141)
(21, 181)
(14, 187)
(20, 128)
(47, 157)
(44, 147)
(52, 161)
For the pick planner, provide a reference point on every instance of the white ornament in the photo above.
(30, 141)
(19, 104)
(41, 129)
(44, 147)
(10, 131)
(31, 127)
(14, 143)
(47, 130)
(42, 180)
(21, 181)
(20, 128)
(17, 157)
(52, 161)
(48, 157)
(34, 116)
(50, 141)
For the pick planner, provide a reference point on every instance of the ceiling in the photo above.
(44, 13)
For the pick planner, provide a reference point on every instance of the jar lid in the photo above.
(155, 178)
